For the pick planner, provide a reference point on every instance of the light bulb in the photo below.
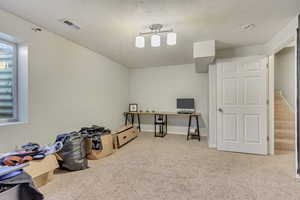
(140, 42)
(171, 39)
(155, 40)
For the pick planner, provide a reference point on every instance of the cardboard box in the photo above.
(115, 140)
(42, 171)
(125, 135)
(11, 194)
(107, 144)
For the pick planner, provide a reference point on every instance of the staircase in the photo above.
(284, 125)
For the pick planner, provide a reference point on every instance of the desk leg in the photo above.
(189, 128)
(198, 130)
(139, 122)
(132, 119)
(166, 124)
(126, 118)
(154, 126)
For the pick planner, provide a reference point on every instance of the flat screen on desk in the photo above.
(186, 103)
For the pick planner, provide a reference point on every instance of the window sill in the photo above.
(11, 123)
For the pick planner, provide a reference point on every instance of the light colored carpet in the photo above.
(172, 168)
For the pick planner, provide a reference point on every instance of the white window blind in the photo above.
(8, 82)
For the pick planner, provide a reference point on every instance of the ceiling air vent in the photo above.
(248, 27)
(70, 23)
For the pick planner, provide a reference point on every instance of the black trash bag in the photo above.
(73, 152)
(95, 132)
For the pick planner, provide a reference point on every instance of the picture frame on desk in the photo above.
(133, 107)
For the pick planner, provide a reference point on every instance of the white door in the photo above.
(242, 105)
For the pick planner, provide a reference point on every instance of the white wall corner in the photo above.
(283, 38)
(205, 49)
(204, 54)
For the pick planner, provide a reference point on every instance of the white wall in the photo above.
(158, 87)
(246, 51)
(283, 38)
(285, 70)
(69, 87)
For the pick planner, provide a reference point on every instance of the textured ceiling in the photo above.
(110, 26)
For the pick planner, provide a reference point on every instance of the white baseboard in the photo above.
(212, 146)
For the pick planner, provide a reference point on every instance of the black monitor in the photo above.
(186, 103)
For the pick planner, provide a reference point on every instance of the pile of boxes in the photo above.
(42, 171)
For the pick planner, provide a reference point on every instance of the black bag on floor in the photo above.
(95, 132)
(73, 152)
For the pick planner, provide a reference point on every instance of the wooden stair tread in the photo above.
(284, 124)
(285, 134)
(284, 144)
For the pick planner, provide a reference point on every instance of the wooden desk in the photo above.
(195, 115)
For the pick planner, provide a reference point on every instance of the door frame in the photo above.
(271, 110)
(271, 68)
(272, 93)
(281, 40)
(297, 113)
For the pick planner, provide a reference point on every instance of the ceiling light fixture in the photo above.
(155, 30)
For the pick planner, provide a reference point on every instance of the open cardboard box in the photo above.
(107, 144)
(124, 135)
(42, 171)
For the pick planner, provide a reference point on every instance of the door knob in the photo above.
(220, 110)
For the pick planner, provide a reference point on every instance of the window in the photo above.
(8, 82)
